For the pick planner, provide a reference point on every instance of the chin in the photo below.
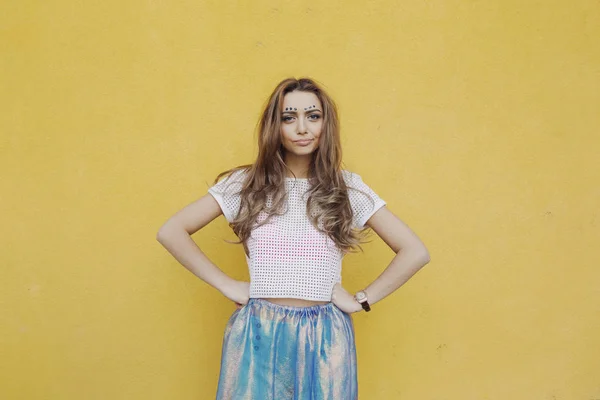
(305, 151)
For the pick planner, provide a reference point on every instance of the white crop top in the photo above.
(288, 256)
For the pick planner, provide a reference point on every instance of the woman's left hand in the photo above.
(344, 300)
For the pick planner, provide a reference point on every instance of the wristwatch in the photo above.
(361, 297)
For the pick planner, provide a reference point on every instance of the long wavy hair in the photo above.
(328, 202)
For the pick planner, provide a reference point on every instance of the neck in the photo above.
(297, 165)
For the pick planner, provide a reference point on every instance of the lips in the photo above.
(303, 142)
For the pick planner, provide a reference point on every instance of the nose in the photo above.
(301, 126)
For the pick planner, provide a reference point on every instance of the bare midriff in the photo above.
(294, 302)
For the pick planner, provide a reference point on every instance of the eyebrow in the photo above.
(295, 112)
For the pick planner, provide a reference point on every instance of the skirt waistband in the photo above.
(291, 309)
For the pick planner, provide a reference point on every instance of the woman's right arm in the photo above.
(175, 236)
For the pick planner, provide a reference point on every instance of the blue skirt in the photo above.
(276, 352)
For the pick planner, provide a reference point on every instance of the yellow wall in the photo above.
(477, 121)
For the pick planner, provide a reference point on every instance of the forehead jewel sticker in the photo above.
(294, 109)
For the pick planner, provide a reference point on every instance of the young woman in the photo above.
(297, 213)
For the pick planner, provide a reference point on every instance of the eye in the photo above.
(287, 118)
(317, 116)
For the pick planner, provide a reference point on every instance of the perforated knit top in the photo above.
(288, 257)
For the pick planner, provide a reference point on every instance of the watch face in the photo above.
(360, 296)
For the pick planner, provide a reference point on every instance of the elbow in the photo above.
(424, 255)
(169, 230)
(163, 233)
(420, 254)
(425, 258)
(160, 235)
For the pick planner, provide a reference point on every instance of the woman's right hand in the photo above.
(238, 292)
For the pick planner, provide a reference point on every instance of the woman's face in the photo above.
(301, 122)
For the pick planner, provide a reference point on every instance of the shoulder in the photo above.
(363, 199)
(237, 174)
(352, 179)
(231, 180)
(359, 191)
(348, 175)
(227, 191)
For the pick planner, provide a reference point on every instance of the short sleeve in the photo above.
(227, 193)
(363, 200)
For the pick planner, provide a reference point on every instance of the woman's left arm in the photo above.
(411, 254)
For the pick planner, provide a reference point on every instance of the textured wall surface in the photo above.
(477, 121)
